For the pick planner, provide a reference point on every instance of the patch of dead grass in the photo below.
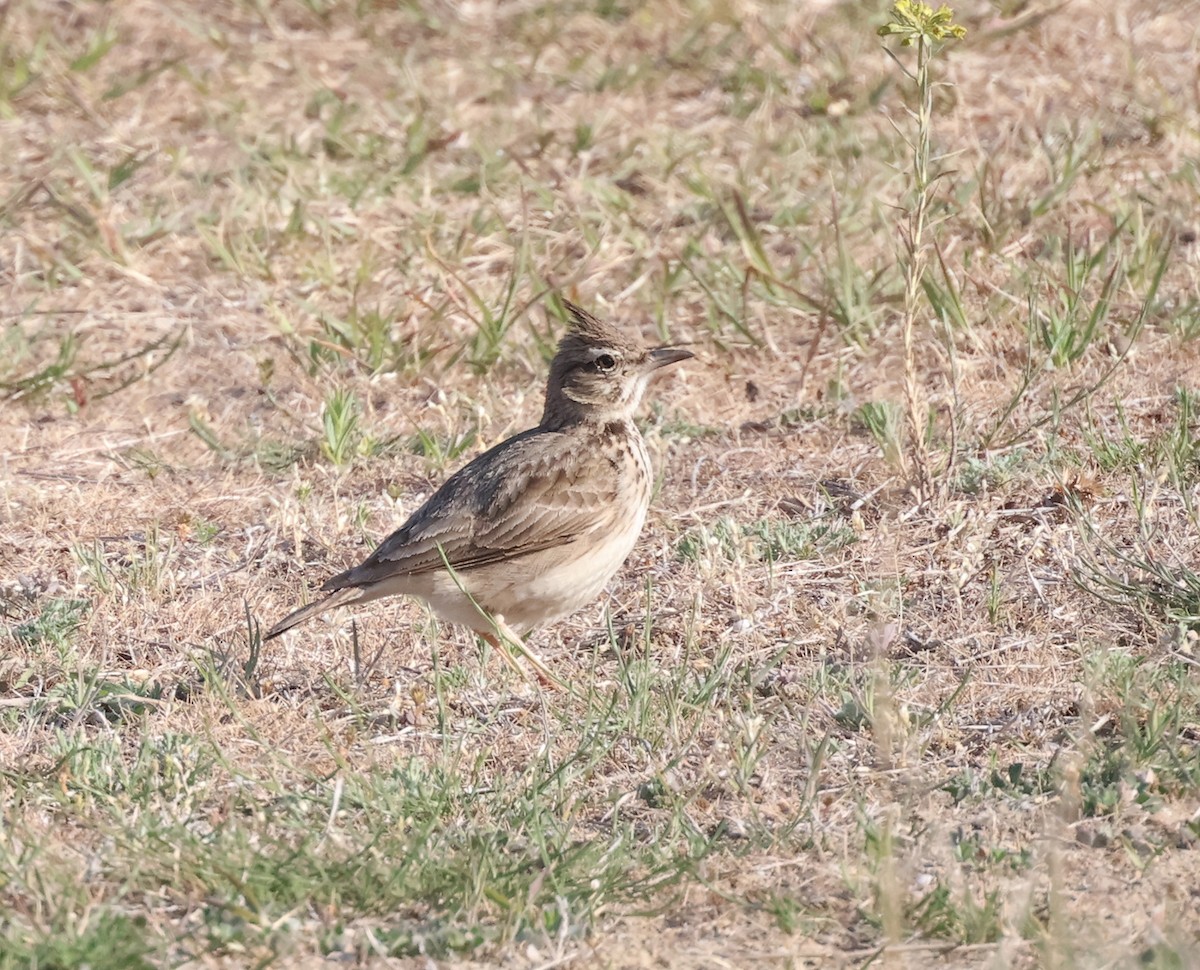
(834, 728)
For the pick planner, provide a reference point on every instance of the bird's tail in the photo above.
(350, 594)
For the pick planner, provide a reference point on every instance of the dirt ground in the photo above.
(272, 270)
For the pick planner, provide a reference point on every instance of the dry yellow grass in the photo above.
(853, 725)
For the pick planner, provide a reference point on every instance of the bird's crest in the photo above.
(592, 331)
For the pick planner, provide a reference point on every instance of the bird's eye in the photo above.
(605, 363)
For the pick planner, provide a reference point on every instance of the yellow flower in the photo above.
(912, 20)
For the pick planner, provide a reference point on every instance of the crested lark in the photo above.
(534, 528)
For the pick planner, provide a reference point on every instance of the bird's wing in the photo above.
(523, 496)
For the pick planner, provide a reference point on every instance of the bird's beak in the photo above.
(663, 356)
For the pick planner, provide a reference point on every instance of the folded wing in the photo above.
(517, 503)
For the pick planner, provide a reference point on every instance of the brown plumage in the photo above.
(535, 527)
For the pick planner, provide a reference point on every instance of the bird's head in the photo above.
(600, 373)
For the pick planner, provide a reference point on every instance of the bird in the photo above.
(534, 528)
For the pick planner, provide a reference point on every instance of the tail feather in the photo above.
(350, 594)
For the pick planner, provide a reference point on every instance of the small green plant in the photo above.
(340, 423)
(107, 941)
(1112, 451)
(1017, 780)
(787, 911)
(971, 850)
(78, 382)
(1140, 578)
(21, 67)
(1068, 153)
(918, 25)
(147, 460)
(91, 557)
(1074, 327)
(1069, 320)
(56, 623)
(961, 917)
(1180, 447)
(374, 335)
(87, 691)
(1151, 750)
(765, 540)
(271, 454)
(99, 43)
(884, 421)
(995, 595)
(439, 452)
(978, 474)
(855, 295)
(141, 564)
(46, 377)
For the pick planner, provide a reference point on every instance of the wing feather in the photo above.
(518, 498)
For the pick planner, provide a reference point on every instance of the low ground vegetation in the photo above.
(905, 665)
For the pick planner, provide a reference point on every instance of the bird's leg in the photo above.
(505, 636)
(498, 645)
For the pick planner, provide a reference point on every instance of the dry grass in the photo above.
(814, 723)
